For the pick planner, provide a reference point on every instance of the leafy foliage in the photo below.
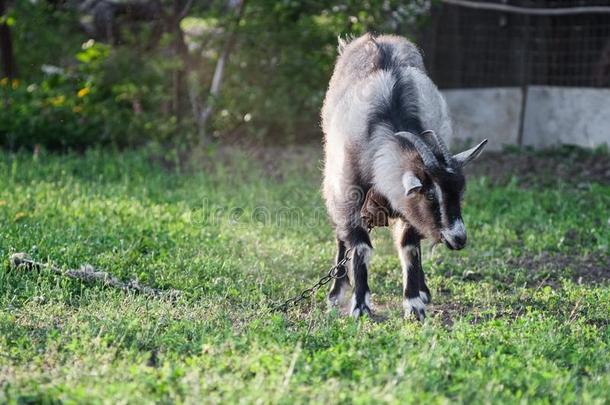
(90, 102)
(286, 54)
(145, 87)
(44, 34)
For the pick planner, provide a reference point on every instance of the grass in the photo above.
(510, 321)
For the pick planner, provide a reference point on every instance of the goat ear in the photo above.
(463, 158)
(411, 183)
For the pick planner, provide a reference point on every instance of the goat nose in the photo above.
(455, 242)
(459, 241)
(455, 237)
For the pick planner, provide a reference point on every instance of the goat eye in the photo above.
(430, 196)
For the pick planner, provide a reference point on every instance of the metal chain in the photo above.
(332, 274)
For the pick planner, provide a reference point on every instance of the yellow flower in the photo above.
(2, 203)
(4, 81)
(77, 109)
(84, 91)
(15, 83)
(57, 101)
(20, 215)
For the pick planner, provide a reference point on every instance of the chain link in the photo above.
(333, 274)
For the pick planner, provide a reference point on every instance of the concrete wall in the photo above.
(565, 115)
(553, 116)
(492, 113)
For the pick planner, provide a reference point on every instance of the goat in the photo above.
(384, 121)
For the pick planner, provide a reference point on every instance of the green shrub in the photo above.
(85, 104)
(144, 87)
(280, 70)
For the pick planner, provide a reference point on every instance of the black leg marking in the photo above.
(360, 243)
(415, 292)
(340, 285)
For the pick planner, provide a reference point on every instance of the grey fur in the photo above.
(381, 114)
(430, 161)
(352, 140)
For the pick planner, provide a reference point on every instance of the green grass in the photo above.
(238, 236)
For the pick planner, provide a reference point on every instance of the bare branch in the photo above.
(89, 274)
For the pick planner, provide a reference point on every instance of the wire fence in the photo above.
(466, 44)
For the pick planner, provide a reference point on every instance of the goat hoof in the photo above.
(361, 310)
(415, 306)
(362, 306)
(425, 297)
(420, 314)
(335, 297)
(333, 301)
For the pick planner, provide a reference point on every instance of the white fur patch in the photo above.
(404, 254)
(440, 197)
(424, 297)
(458, 228)
(338, 299)
(354, 311)
(345, 123)
(387, 171)
(413, 304)
(457, 231)
(364, 251)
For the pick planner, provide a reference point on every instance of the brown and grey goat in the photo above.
(384, 122)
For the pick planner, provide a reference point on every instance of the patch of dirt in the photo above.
(571, 165)
(568, 164)
(449, 311)
(591, 269)
(545, 269)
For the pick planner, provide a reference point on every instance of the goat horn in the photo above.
(441, 145)
(424, 151)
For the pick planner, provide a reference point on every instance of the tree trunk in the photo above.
(180, 51)
(9, 68)
(207, 111)
(178, 73)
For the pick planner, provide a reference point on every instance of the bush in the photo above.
(279, 74)
(148, 88)
(86, 104)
